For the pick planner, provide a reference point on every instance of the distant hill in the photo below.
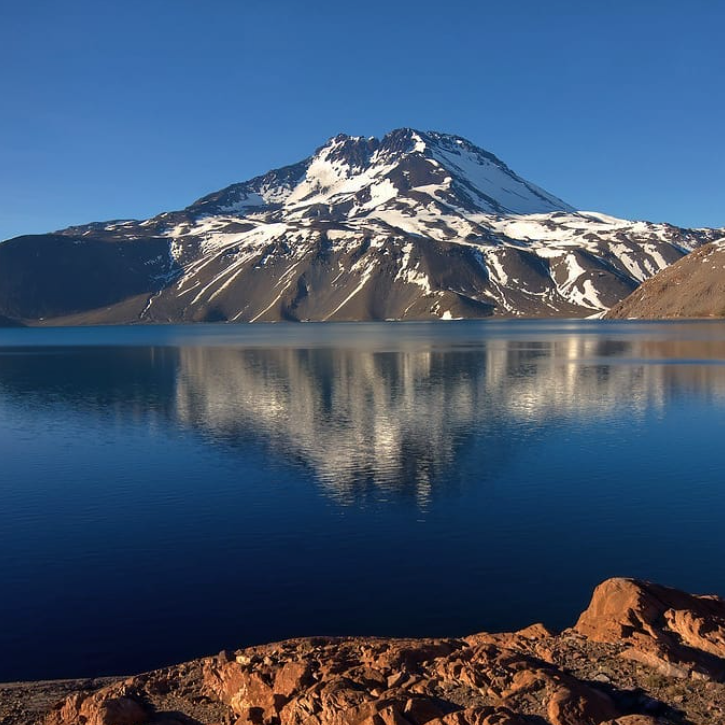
(415, 225)
(694, 287)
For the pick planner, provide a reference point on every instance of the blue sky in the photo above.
(113, 110)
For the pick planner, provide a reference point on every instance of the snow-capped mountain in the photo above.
(411, 226)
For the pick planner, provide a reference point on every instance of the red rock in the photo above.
(656, 662)
(420, 710)
(99, 709)
(701, 630)
(635, 720)
(675, 632)
(254, 696)
(536, 631)
(581, 706)
(481, 716)
(292, 677)
(223, 679)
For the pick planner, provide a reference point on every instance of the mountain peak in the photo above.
(404, 140)
(357, 174)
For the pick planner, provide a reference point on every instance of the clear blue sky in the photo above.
(125, 109)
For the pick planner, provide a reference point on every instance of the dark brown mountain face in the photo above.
(411, 226)
(694, 287)
(52, 275)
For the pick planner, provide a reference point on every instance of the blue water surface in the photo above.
(167, 492)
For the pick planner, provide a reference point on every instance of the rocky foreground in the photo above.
(641, 654)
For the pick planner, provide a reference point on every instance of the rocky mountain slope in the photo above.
(641, 654)
(694, 287)
(411, 226)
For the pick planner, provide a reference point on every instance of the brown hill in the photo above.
(641, 654)
(693, 287)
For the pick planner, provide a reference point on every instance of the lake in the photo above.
(171, 491)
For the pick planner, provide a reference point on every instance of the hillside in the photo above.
(694, 287)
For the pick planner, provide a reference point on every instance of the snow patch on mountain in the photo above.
(496, 187)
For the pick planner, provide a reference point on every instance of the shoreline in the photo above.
(640, 654)
(26, 701)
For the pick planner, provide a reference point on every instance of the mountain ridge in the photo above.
(367, 151)
(414, 225)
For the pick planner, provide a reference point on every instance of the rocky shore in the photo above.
(641, 654)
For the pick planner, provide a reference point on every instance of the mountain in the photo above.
(411, 226)
(694, 287)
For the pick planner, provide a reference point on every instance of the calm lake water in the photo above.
(170, 491)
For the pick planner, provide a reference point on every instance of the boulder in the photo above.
(677, 633)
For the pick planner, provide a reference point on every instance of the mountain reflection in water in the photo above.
(378, 413)
(169, 491)
(395, 419)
